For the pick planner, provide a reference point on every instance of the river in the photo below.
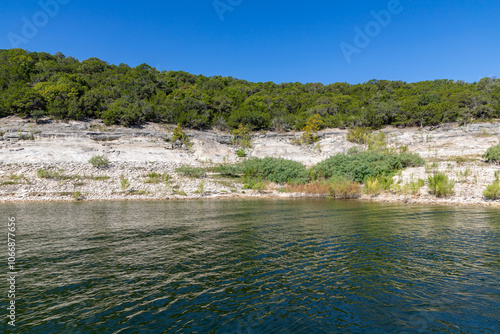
(255, 266)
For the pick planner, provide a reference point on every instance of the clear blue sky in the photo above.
(280, 41)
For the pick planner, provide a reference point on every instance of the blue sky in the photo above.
(280, 41)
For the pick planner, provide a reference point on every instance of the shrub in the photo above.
(241, 153)
(195, 172)
(410, 159)
(344, 188)
(358, 135)
(99, 161)
(242, 136)
(315, 187)
(275, 170)
(179, 135)
(375, 185)
(368, 164)
(311, 129)
(413, 187)
(492, 191)
(493, 154)
(372, 186)
(440, 185)
(124, 183)
(254, 184)
(229, 170)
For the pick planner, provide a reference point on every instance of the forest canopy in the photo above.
(36, 84)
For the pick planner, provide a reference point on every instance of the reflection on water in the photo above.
(263, 266)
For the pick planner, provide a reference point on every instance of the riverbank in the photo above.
(143, 161)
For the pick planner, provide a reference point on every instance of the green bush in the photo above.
(358, 135)
(440, 185)
(492, 191)
(275, 170)
(241, 153)
(229, 170)
(99, 161)
(196, 172)
(493, 154)
(242, 136)
(179, 135)
(368, 164)
(310, 131)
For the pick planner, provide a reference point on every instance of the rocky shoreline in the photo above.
(143, 161)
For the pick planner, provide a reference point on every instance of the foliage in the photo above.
(241, 153)
(311, 129)
(493, 154)
(124, 183)
(242, 136)
(196, 172)
(374, 185)
(431, 167)
(48, 174)
(229, 170)
(154, 177)
(99, 161)
(358, 135)
(413, 187)
(179, 135)
(368, 164)
(440, 185)
(63, 87)
(315, 187)
(275, 170)
(344, 189)
(77, 196)
(492, 191)
(253, 183)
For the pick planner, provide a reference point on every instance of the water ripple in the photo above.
(298, 266)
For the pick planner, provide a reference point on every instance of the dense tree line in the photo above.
(35, 84)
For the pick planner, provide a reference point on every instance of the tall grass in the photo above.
(337, 188)
(441, 185)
